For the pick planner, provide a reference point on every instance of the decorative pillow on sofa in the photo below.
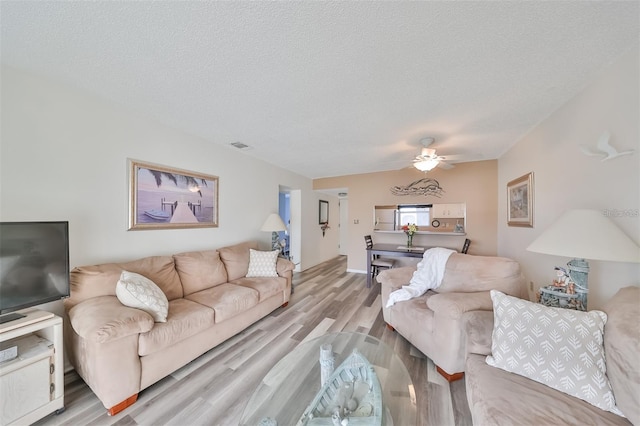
(137, 291)
(262, 263)
(558, 347)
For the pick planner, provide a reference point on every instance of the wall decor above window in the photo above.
(162, 197)
(424, 186)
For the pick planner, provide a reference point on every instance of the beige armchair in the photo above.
(433, 321)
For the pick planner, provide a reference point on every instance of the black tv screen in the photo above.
(34, 263)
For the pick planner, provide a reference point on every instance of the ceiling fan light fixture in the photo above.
(428, 152)
(426, 164)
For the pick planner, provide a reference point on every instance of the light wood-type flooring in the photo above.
(214, 388)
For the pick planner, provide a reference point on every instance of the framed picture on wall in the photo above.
(520, 201)
(162, 197)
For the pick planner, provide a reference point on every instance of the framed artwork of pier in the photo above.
(162, 197)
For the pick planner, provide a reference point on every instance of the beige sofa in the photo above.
(433, 322)
(497, 397)
(119, 350)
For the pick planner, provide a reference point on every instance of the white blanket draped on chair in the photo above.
(428, 275)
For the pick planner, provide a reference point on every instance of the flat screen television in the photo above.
(34, 265)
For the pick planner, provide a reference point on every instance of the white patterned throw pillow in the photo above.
(137, 291)
(262, 263)
(560, 348)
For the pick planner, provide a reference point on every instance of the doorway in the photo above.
(290, 210)
(284, 210)
(343, 248)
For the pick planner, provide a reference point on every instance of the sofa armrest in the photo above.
(478, 327)
(392, 280)
(103, 319)
(283, 266)
(453, 305)
(395, 278)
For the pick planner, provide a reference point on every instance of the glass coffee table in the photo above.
(288, 389)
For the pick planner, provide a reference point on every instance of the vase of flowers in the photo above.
(410, 229)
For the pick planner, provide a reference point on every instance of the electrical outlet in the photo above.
(356, 221)
(531, 285)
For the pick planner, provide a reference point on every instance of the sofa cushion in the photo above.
(236, 259)
(103, 319)
(185, 319)
(466, 273)
(227, 300)
(558, 347)
(454, 305)
(161, 270)
(199, 270)
(497, 397)
(137, 291)
(101, 280)
(266, 287)
(262, 263)
(622, 346)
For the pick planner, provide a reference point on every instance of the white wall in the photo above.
(63, 156)
(566, 179)
(331, 238)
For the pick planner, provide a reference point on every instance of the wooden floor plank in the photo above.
(214, 388)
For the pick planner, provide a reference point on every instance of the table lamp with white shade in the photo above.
(585, 234)
(274, 224)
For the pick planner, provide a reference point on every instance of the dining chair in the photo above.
(465, 246)
(377, 262)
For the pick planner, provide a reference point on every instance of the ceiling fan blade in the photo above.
(445, 166)
(454, 157)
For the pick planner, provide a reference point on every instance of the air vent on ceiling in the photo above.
(240, 145)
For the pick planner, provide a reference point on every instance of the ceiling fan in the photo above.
(428, 159)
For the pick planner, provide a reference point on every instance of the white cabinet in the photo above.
(449, 217)
(32, 384)
(446, 211)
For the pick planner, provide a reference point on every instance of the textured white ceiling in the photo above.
(328, 88)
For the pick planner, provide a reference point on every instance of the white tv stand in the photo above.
(32, 384)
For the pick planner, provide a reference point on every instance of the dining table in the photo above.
(391, 250)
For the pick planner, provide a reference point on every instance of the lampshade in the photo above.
(586, 234)
(426, 165)
(273, 224)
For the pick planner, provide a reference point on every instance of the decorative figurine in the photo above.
(564, 292)
(327, 361)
